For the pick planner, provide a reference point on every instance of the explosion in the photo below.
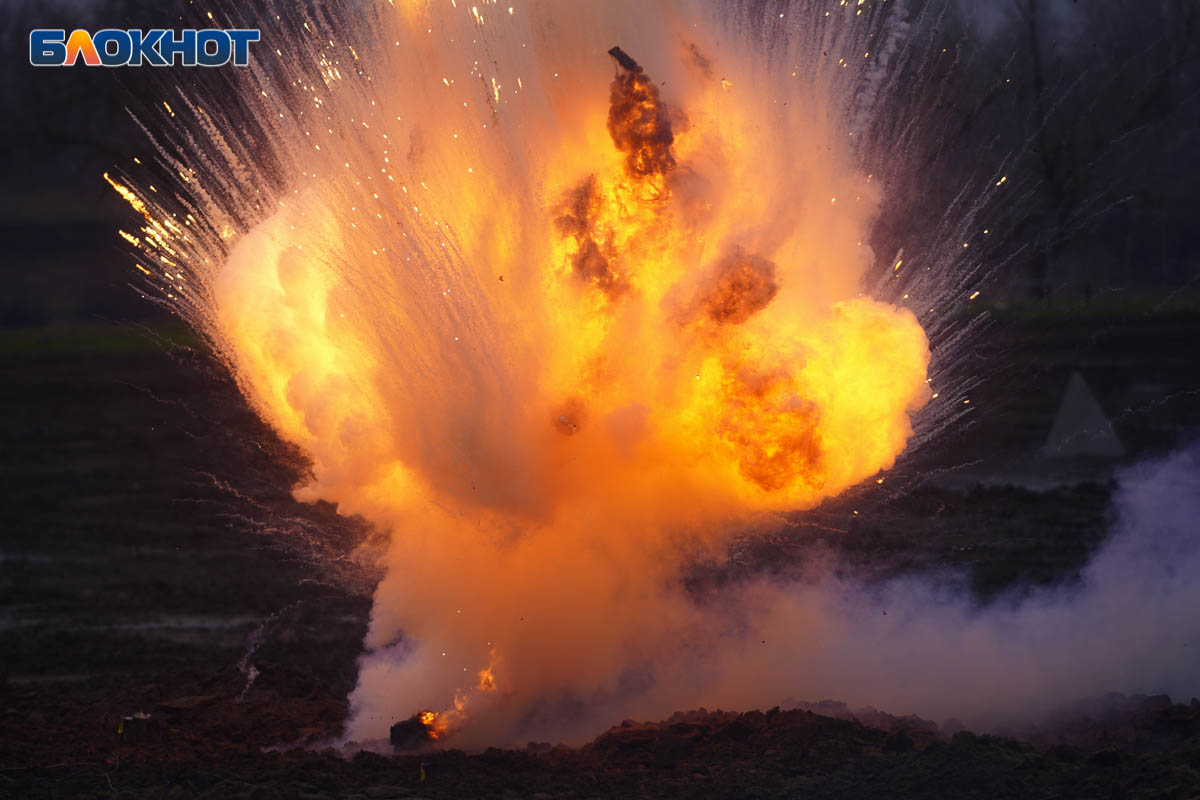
(556, 320)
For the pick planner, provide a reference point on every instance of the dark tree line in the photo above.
(1088, 110)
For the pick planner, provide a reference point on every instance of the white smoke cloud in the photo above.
(1130, 624)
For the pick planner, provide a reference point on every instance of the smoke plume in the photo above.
(1130, 623)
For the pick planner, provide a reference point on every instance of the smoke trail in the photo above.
(557, 325)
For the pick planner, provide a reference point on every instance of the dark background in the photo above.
(1094, 104)
(151, 556)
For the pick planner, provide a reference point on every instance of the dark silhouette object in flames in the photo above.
(413, 733)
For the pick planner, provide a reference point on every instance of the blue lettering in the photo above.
(102, 39)
(216, 57)
(145, 47)
(156, 47)
(241, 39)
(184, 46)
(47, 47)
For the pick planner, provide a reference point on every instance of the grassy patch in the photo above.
(95, 338)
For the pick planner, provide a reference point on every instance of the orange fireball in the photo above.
(556, 323)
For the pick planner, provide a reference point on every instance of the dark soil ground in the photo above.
(151, 559)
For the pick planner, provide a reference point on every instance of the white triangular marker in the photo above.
(1081, 427)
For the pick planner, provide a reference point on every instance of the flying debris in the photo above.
(624, 59)
(638, 120)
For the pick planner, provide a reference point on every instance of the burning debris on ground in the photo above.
(418, 732)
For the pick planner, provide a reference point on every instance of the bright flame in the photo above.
(436, 725)
(550, 319)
